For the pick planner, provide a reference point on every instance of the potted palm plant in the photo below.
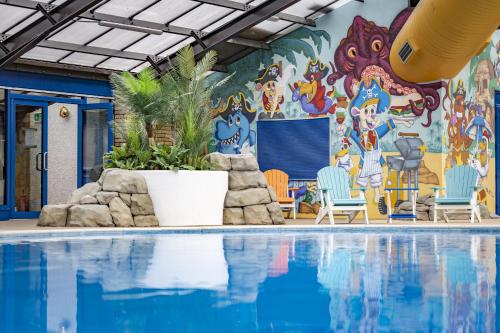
(141, 96)
(182, 187)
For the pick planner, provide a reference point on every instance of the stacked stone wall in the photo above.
(118, 199)
(249, 199)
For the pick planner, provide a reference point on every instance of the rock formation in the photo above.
(249, 199)
(118, 199)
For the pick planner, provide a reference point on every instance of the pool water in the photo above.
(271, 282)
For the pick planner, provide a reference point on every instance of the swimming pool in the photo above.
(248, 282)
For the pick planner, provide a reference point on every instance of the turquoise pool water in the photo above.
(254, 282)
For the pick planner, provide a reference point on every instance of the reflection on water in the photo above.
(343, 282)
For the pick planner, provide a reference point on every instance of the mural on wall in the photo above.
(471, 119)
(269, 85)
(312, 94)
(497, 67)
(364, 54)
(232, 130)
(343, 71)
(367, 129)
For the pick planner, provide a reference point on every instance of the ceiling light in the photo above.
(130, 27)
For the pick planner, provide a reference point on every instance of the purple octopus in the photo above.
(364, 53)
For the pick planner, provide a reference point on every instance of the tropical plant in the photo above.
(137, 154)
(182, 97)
(188, 94)
(134, 153)
(142, 96)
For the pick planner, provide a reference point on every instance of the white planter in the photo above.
(187, 198)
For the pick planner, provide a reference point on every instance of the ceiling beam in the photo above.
(27, 38)
(46, 67)
(244, 7)
(256, 44)
(108, 52)
(96, 50)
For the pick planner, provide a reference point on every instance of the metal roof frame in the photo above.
(16, 45)
(244, 16)
(231, 29)
(244, 7)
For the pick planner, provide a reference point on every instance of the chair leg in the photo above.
(330, 216)
(321, 214)
(445, 216)
(478, 214)
(472, 212)
(366, 216)
(435, 213)
(294, 213)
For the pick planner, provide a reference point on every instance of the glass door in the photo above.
(97, 139)
(29, 152)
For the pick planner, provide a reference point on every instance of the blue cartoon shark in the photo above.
(233, 130)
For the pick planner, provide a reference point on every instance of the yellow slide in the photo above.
(441, 36)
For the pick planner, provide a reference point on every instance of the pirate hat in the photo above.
(270, 73)
(316, 67)
(373, 94)
(460, 91)
(238, 103)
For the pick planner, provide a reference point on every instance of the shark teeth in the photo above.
(232, 140)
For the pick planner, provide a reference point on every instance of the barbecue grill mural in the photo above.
(322, 71)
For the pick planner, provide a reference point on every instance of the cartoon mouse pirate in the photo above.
(367, 130)
(272, 93)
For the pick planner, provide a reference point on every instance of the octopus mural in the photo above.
(364, 54)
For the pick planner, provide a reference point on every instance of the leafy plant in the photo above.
(182, 96)
(142, 96)
(189, 94)
(169, 158)
(137, 154)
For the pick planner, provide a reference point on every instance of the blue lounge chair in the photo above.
(335, 194)
(461, 192)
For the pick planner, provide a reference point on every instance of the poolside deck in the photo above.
(29, 226)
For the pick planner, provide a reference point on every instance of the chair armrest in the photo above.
(358, 189)
(437, 188)
(477, 187)
(293, 189)
(401, 188)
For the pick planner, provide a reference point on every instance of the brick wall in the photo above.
(163, 134)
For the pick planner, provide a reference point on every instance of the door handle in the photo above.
(37, 163)
(45, 161)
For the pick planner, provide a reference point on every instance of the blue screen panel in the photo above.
(298, 147)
